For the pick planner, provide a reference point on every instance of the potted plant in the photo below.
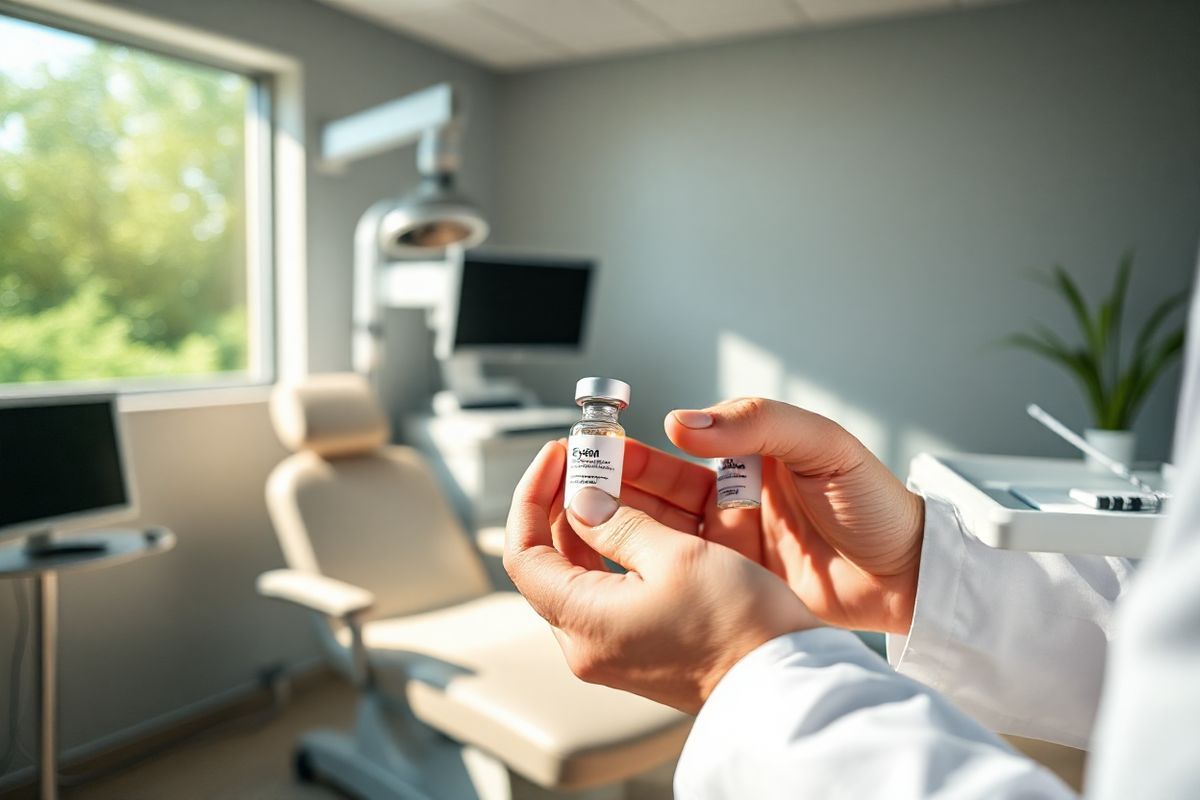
(1115, 379)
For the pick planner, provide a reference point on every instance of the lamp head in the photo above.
(430, 219)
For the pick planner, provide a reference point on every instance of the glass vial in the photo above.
(596, 446)
(739, 481)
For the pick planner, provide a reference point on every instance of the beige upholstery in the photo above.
(478, 665)
(488, 671)
(378, 521)
(331, 415)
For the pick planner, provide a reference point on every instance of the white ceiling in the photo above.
(516, 34)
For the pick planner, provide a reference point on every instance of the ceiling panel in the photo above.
(582, 26)
(517, 34)
(835, 11)
(458, 26)
(700, 20)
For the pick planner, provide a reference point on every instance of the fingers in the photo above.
(738, 529)
(629, 537)
(660, 509)
(681, 483)
(533, 500)
(809, 443)
(543, 574)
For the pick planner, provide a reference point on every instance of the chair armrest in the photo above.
(490, 541)
(314, 591)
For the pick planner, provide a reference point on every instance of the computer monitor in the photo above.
(62, 461)
(503, 306)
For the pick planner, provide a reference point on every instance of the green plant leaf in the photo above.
(1077, 362)
(1155, 321)
(1051, 339)
(1121, 416)
(1092, 336)
(1167, 351)
(1114, 395)
(1108, 322)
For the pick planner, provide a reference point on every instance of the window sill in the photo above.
(138, 402)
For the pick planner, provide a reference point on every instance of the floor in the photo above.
(234, 763)
(253, 761)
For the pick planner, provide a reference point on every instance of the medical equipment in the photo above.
(596, 446)
(739, 481)
(984, 491)
(503, 307)
(1075, 440)
(1108, 501)
(433, 223)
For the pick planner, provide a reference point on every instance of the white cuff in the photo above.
(1015, 639)
(921, 653)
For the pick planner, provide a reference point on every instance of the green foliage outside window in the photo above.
(122, 211)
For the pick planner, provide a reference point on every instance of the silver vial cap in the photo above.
(602, 389)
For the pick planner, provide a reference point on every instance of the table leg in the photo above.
(46, 625)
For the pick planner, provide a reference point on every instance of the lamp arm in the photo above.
(388, 126)
(367, 336)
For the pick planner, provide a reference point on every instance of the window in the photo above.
(135, 229)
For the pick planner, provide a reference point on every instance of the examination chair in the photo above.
(464, 693)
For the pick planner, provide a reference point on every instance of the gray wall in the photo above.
(144, 641)
(846, 219)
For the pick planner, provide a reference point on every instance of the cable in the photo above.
(16, 667)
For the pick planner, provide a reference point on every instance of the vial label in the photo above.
(594, 461)
(739, 481)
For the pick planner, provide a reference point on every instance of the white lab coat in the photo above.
(1001, 640)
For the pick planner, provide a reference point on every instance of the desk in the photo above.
(979, 488)
(16, 562)
(480, 455)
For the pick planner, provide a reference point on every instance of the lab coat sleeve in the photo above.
(1148, 735)
(818, 715)
(1018, 640)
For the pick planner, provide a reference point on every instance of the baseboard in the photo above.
(161, 732)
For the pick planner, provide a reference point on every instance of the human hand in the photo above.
(835, 523)
(669, 628)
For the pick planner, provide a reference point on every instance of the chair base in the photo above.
(391, 755)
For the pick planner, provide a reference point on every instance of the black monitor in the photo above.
(506, 305)
(61, 461)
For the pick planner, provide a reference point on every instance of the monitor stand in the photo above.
(47, 543)
(467, 388)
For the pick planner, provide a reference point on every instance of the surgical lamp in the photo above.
(433, 221)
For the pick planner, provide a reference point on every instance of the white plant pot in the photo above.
(1117, 445)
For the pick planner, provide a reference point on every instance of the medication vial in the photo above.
(739, 481)
(596, 447)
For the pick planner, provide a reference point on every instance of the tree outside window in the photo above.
(123, 208)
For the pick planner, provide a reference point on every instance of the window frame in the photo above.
(276, 301)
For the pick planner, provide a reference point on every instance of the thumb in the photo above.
(807, 442)
(625, 535)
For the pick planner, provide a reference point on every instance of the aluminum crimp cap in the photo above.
(602, 389)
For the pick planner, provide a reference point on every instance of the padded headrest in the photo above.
(331, 415)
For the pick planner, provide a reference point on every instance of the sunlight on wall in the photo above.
(747, 369)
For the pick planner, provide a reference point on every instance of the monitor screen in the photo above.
(58, 459)
(514, 303)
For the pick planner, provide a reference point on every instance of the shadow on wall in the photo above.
(748, 369)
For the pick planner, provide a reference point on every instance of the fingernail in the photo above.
(593, 506)
(693, 419)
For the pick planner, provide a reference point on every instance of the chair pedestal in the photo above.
(391, 755)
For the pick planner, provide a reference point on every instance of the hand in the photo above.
(669, 628)
(835, 523)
